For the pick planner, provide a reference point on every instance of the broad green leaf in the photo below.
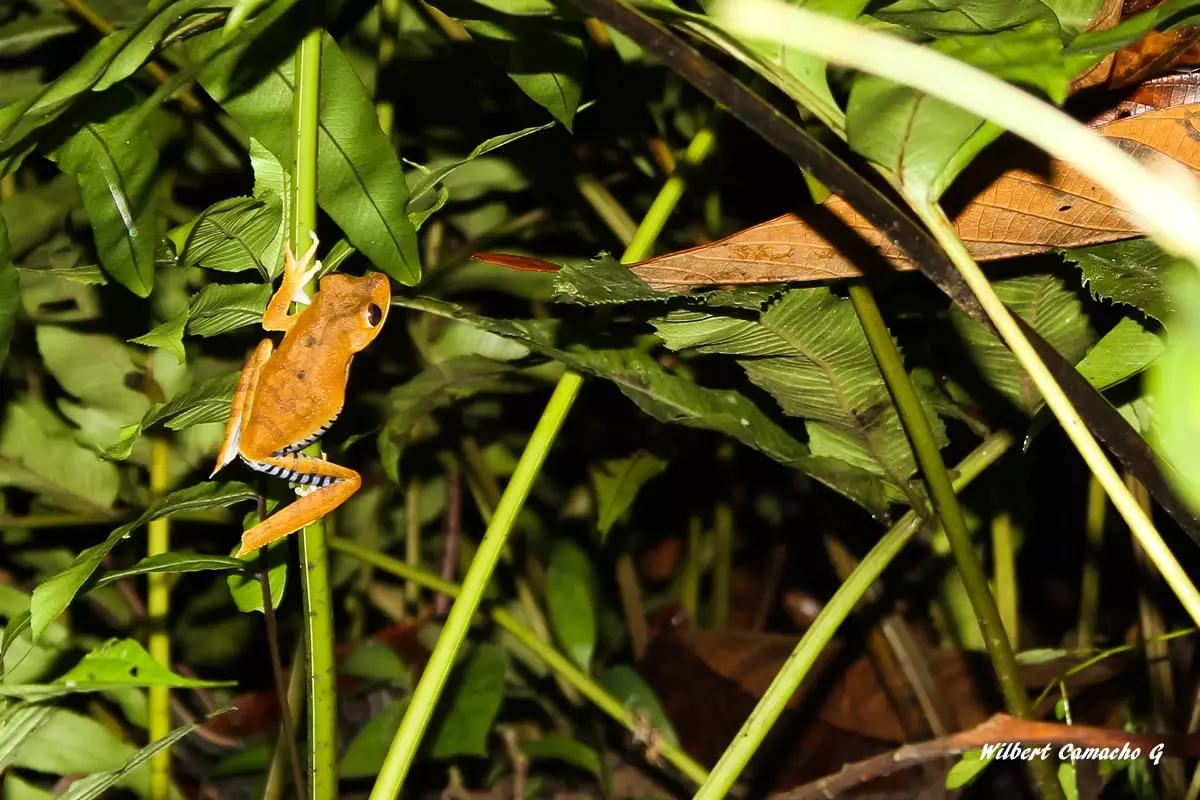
(632, 691)
(1174, 386)
(246, 587)
(39, 453)
(10, 298)
(365, 754)
(118, 173)
(938, 18)
(437, 386)
(17, 723)
(670, 398)
(172, 563)
(112, 60)
(924, 142)
(1051, 309)
(1129, 272)
(966, 768)
(1166, 16)
(809, 351)
(36, 213)
(95, 785)
(273, 185)
(1123, 352)
(72, 744)
(569, 751)
(604, 281)
(375, 661)
(360, 182)
(17, 789)
(116, 664)
(220, 308)
(617, 483)
(544, 57)
(27, 32)
(1075, 16)
(234, 235)
(52, 596)
(571, 602)
(207, 401)
(93, 367)
(168, 336)
(469, 706)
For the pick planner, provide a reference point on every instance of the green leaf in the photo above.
(375, 661)
(171, 563)
(168, 336)
(366, 752)
(95, 785)
(628, 687)
(569, 751)
(617, 483)
(1051, 309)
(207, 401)
(924, 142)
(10, 297)
(39, 453)
(17, 723)
(220, 308)
(234, 235)
(1166, 16)
(470, 704)
(94, 368)
(116, 664)
(17, 789)
(966, 768)
(246, 588)
(809, 351)
(1129, 272)
(1123, 352)
(545, 58)
(571, 602)
(1174, 386)
(118, 173)
(360, 182)
(938, 18)
(437, 386)
(28, 32)
(53, 595)
(71, 744)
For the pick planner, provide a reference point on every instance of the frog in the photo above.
(288, 397)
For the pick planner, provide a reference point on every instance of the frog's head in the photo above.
(355, 308)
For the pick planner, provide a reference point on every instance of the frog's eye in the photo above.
(374, 315)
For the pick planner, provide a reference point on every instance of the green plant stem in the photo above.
(277, 772)
(314, 560)
(389, 23)
(548, 654)
(954, 523)
(1089, 584)
(1004, 574)
(412, 540)
(1163, 205)
(722, 593)
(689, 579)
(820, 633)
(607, 207)
(158, 595)
(698, 149)
(424, 698)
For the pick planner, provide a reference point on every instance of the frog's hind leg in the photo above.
(333, 484)
(239, 410)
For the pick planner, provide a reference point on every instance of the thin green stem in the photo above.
(314, 560)
(1004, 574)
(722, 594)
(424, 698)
(1163, 205)
(607, 207)
(158, 596)
(1089, 584)
(698, 149)
(281, 755)
(689, 580)
(559, 664)
(389, 24)
(820, 633)
(954, 523)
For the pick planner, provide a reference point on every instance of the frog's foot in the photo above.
(330, 486)
(298, 275)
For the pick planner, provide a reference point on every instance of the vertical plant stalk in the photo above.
(954, 523)
(1089, 584)
(314, 560)
(1004, 574)
(689, 580)
(286, 740)
(820, 633)
(404, 745)
(389, 24)
(276, 785)
(158, 594)
(722, 597)
(412, 541)
(558, 663)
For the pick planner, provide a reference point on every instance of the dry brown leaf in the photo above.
(1151, 56)
(1024, 210)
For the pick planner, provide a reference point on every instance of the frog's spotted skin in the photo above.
(287, 398)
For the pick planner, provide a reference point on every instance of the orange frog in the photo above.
(287, 398)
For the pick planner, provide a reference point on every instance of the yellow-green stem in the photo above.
(722, 566)
(314, 560)
(277, 772)
(689, 580)
(820, 633)
(1089, 585)
(1004, 574)
(558, 663)
(158, 592)
(389, 22)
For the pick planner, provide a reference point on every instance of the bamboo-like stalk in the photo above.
(158, 598)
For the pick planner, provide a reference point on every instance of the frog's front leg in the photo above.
(335, 484)
(243, 396)
(295, 277)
